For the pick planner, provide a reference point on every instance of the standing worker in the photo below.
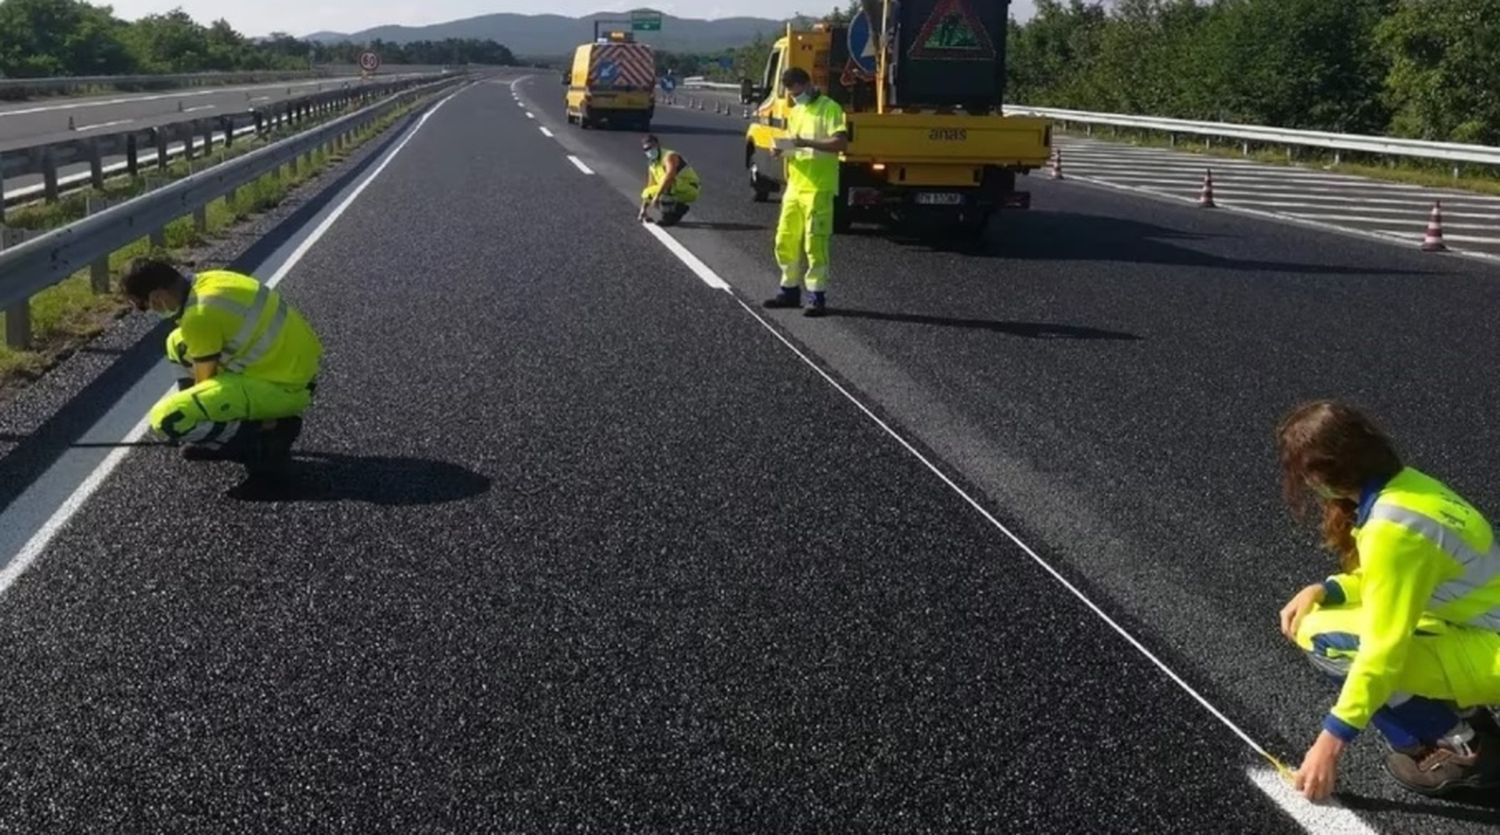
(1411, 627)
(818, 133)
(253, 361)
(671, 184)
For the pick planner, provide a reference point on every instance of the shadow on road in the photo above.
(1030, 330)
(696, 130)
(723, 227)
(1470, 807)
(374, 479)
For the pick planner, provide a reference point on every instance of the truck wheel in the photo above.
(584, 120)
(973, 225)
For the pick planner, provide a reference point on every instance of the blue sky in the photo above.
(301, 17)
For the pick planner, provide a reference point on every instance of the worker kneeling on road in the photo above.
(818, 133)
(253, 360)
(671, 184)
(1412, 626)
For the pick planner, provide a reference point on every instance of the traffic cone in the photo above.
(1057, 164)
(1433, 242)
(1206, 198)
(70, 124)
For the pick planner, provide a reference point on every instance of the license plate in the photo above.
(939, 198)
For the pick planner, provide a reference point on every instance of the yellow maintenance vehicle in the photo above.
(921, 83)
(612, 82)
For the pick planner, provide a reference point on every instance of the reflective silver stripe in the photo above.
(251, 319)
(194, 300)
(1479, 569)
(264, 343)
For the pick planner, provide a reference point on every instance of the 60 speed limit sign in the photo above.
(369, 61)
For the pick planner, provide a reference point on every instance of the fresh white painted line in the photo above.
(1420, 218)
(692, 261)
(545, 132)
(200, 107)
(1302, 814)
(80, 495)
(1331, 817)
(578, 163)
(102, 125)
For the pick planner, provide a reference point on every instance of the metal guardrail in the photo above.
(188, 135)
(1339, 143)
(13, 87)
(44, 261)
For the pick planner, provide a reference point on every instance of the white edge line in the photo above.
(699, 268)
(578, 163)
(81, 494)
(530, 115)
(1313, 818)
(545, 132)
(1404, 243)
(1329, 818)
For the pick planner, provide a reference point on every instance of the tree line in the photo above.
(40, 38)
(1426, 69)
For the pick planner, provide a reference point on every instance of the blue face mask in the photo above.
(653, 153)
(803, 97)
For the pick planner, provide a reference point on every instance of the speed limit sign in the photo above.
(369, 61)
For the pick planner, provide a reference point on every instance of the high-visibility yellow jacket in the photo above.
(809, 170)
(249, 329)
(1428, 561)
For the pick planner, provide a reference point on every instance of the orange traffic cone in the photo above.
(1057, 164)
(1206, 198)
(1433, 242)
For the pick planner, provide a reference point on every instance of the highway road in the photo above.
(581, 539)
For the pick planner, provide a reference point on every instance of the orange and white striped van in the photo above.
(613, 82)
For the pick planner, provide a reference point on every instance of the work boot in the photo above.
(788, 297)
(204, 452)
(1444, 767)
(272, 446)
(672, 216)
(818, 306)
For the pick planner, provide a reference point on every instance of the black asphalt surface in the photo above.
(574, 544)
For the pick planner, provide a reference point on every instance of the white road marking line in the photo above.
(1271, 176)
(81, 494)
(180, 94)
(1417, 236)
(1281, 217)
(692, 261)
(530, 115)
(545, 132)
(1331, 818)
(1419, 218)
(1250, 195)
(261, 98)
(1409, 209)
(578, 163)
(101, 125)
(1311, 822)
(200, 107)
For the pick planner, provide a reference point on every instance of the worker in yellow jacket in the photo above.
(817, 132)
(672, 186)
(253, 362)
(1411, 625)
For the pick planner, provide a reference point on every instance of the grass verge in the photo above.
(1479, 179)
(65, 316)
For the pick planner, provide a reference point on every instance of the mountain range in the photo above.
(553, 35)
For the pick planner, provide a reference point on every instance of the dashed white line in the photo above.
(530, 115)
(578, 163)
(49, 529)
(700, 269)
(102, 125)
(200, 107)
(545, 132)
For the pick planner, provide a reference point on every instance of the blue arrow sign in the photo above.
(607, 72)
(667, 84)
(861, 45)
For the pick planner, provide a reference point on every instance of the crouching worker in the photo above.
(671, 184)
(252, 359)
(1411, 627)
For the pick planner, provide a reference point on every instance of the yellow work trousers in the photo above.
(681, 193)
(802, 236)
(1459, 664)
(212, 412)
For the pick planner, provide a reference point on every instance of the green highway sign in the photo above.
(645, 21)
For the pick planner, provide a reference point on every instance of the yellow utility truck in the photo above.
(612, 82)
(921, 82)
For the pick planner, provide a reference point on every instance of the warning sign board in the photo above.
(953, 32)
(369, 61)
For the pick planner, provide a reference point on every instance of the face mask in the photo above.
(168, 315)
(803, 97)
(653, 153)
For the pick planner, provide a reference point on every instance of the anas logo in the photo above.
(948, 134)
(953, 33)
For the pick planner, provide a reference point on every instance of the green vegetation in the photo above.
(69, 313)
(1425, 69)
(748, 61)
(40, 38)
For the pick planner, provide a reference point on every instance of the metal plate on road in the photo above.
(939, 198)
(369, 61)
